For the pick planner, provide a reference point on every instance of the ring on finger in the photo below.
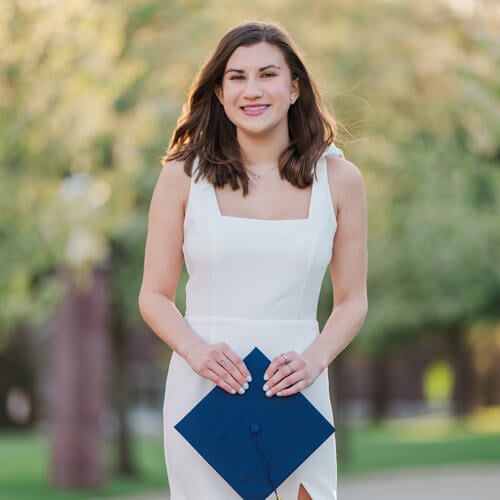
(285, 357)
(222, 362)
(290, 367)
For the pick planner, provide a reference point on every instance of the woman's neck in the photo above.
(262, 151)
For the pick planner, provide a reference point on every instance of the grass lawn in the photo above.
(24, 458)
(421, 443)
(24, 470)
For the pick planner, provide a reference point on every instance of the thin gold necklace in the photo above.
(255, 177)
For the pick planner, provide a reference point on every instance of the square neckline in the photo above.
(255, 219)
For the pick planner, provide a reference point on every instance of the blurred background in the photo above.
(90, 91)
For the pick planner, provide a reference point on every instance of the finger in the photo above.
(286, 376)
(280, 360)
(292, 365)
(224, 375)
(282, 373)
(219, 381)
(237, 367)
(285, 383)
(233, 371)
(218, 356)
(294, 389)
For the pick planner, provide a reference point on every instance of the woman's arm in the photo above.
(348, 268)
(163, 261)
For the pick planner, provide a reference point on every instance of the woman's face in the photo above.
(257, 90)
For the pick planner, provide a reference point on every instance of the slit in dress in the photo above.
(303, 493)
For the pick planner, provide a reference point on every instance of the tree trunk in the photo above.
(465, 375)
(380, 388)
(81, 356)
(18, 374)
(125, 465)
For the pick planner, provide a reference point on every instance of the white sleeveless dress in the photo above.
(252, 282)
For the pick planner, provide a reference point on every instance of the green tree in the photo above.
(90, 92)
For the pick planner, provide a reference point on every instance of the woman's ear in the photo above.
(219, 94)
(294, 90)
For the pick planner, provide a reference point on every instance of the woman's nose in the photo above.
(253, 89)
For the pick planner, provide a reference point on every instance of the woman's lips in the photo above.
(255, 109)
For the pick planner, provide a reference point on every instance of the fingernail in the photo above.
(233, 391)
(249, 378)
(265, 387)
(241, 390)
(266, 376)
(279, 394)
(245, 386)
(269, 394)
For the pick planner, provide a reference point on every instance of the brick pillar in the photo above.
(80, 378)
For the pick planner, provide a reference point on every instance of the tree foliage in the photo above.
(90, 92)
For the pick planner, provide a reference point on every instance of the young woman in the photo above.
(258, 202)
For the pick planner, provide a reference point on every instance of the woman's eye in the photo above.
(237, 77)
(268, 75)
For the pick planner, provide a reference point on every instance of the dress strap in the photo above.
(200, 184)
(198, 192)
(333, 150)
(323, 201)
(194, 170)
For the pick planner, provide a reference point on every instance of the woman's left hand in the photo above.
(290, 373)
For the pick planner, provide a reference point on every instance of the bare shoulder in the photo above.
(343, 171)
(345, 180)
(173, 183)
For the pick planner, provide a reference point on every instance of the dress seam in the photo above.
(316, 233)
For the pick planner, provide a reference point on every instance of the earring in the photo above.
(292, 100)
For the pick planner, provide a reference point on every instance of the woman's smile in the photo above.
(255, 109)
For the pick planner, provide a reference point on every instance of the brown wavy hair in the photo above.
(204, 130)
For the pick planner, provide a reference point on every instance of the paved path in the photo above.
(457, 483)
(451, 483)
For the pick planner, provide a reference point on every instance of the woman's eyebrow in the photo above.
(260, 69)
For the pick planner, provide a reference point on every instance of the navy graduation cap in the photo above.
(252, 441)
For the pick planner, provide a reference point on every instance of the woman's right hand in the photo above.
(219, 363)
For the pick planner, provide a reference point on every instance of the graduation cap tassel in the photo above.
(262, 455)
